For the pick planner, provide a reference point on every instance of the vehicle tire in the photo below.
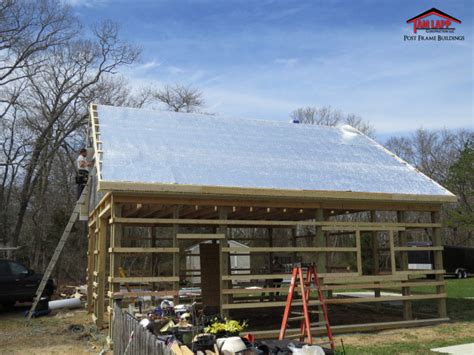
(459, 274)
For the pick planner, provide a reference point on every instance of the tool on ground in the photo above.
(305, 284)
(58, 250)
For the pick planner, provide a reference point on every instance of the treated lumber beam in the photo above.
(198, 190)
(135, 294)
(143, 279)
(201, 236)
(386, 285)
(383, 299)
(359, 253)
(357, 225)
(422, 272)
(143, 250)
(438, 261)
(361, 228)
(363, 279)
(350, 328)
(130, 197)
(288, 249)
(244, 291)
(419, 248)
(264, 304)
(331, 276)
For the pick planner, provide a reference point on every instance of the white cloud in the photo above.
(289, 62)
(86, 3)
(149, 65)
(174, 70)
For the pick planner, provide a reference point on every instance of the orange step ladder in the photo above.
(305, 291)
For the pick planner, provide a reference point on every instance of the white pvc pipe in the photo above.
(67, 303)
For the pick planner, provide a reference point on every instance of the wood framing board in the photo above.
(361, 228)
(438, 262)
(135, 294)
(355, 225)
(261, 192)
(329, 279)
(143, 279)
(414, 248)
(393, 263)
(201, 236)
(387, 285)
(341, 329)
(383, 299)
(252, 202)
(334, 301)
(264, 304)
(143, 250)
(288, 249)
(102, 244)
(359, 253)
(97, 145)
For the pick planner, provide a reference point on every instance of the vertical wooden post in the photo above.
(114, 263)
(270, 244)
(375, 251)
(320, 241)
(95, 267)
(438, 262)
(90, 268)
(176, 256)
(402, 235)
(153, 255)
(223, 261)
(359, 253)
(393, 263)
(293, 244)
(102, 253)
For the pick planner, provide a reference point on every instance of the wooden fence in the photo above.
(130, 338)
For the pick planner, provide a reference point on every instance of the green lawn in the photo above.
(420, 340)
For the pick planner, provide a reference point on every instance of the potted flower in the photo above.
(226, 328)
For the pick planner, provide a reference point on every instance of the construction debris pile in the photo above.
(190, 328)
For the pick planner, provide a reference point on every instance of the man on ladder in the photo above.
(82, 166)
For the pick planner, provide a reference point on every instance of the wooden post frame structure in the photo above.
(180, 214)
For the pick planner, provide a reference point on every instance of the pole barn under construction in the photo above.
(331, 196)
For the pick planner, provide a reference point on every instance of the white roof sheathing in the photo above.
(145, 146)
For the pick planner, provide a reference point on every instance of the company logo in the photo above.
(433, 21)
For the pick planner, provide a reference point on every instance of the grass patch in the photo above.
(460, 305)
(404, 347)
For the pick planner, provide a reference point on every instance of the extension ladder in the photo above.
(58, 250)
(305, 291)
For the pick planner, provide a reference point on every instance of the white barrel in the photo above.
(67, 303)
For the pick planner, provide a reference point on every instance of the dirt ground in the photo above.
(65, 332)
(54, 334)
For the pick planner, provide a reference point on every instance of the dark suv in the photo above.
(18, 283)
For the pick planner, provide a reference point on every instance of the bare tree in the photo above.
(431, 151)
(327, 116)
(56, 102)
(180, 98)
(28, 28)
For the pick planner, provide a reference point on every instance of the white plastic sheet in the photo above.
(148, 146)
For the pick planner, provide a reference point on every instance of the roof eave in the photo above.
(195, 190)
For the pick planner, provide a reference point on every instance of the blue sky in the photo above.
(263, 59)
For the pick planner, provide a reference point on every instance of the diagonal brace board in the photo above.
(58, 250)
